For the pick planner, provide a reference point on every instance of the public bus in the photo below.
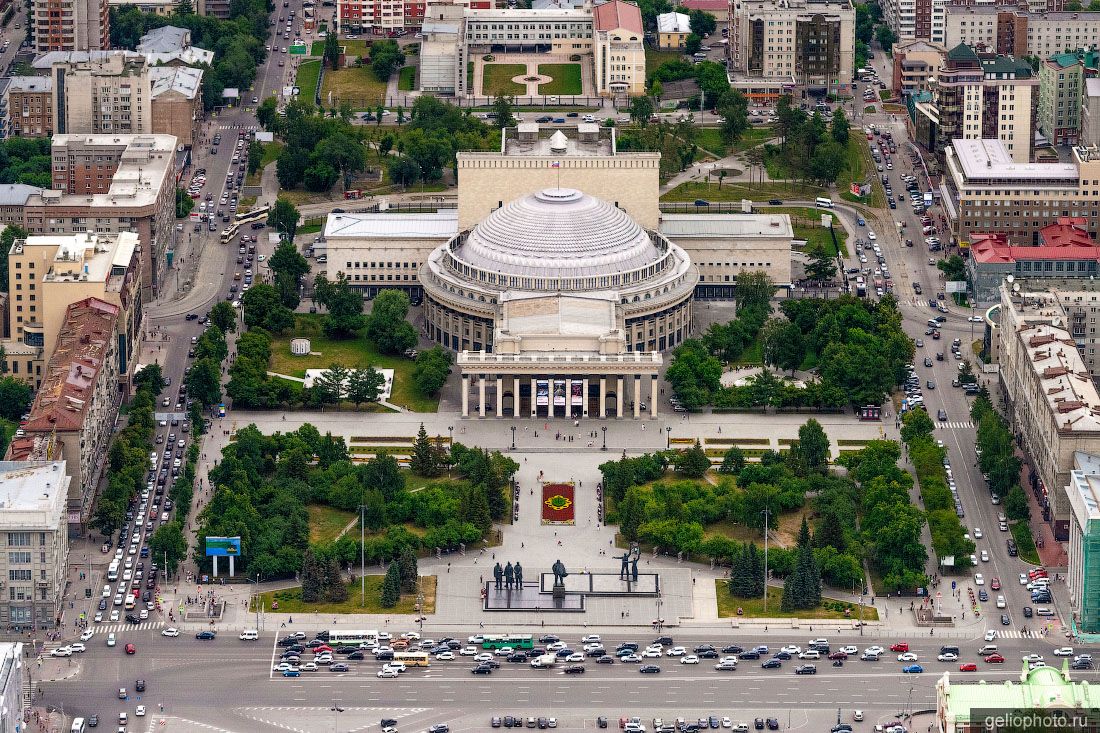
(413, 659)
(823, 203)
(112, 571)
(343, 636)
(228, 234)
(259, 214)
(516, 641)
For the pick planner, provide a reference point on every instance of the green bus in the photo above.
(516, 641)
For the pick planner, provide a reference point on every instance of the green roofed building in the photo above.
(1083, 576)
(963, 708)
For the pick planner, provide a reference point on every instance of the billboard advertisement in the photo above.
(577, 393)
(542, 392)
(223, 546)
(559, 393)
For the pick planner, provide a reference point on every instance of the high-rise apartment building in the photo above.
(916, 20)
(108, 93)
(810, 42)
(1021, 32)
(29, 108)
(979, 97)
(35, 540)
(1061, 79)
(71, 25)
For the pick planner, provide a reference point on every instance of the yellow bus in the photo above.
(413, 659)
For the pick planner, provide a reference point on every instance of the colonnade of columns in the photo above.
(561, 395)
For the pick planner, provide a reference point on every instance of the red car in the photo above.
(323, 648)
(901, 646)
(838, 655)
(131, 649)
(1037, 573)
(995, 584)
(968, 667)
(995, 659)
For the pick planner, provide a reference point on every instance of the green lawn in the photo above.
(308, 73)
(358, 85)
(807, 225)
(7, 431)
(566, 79)
(1025, 543)
(407, 81)
(496, 80)
(737, 190)
(860, 170)
(326, 523)
(355, 353)
(290, 600)
(308, 229)
(754, 607)
(710, 139)
(271, 154)
(654, 58)
(355, 47)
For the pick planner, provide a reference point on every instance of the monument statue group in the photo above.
(629, 569)
(509, 577)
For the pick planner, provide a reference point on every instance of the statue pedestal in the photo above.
(558, 591)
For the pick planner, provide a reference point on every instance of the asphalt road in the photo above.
(228, 684)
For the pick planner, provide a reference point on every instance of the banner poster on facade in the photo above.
(559, 392)
(542, 392)
(577, 394)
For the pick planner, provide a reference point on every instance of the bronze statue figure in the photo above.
(518, 570)
(559, 572)
(498, 574)
(509, 576)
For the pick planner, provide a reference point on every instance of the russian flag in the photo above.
(556, 164)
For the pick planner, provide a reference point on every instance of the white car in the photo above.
(399, 666)
(726, 722)
(907, 657)
(985, 556)
(676, 651)
(468, 651)
(170, 631)
(62, 651)
(411, 635)
(555, 646)
(446, 656)
(388, 673)
(876, 649)
(810, 654)
(77, 647)
(114, 615)
(140, 712)
(504, 651)
(689, 659)
(87, 635)
(98, 617)
(1023, 578)
(143, 615)
(591, 639)
(979, 579)
(990, 635)
(652, 654)
(631, 658)
(484, 657)
(792, 649)
(948, 657)
(283, 667)
(978, 533)
(578, 658)
(1031, 658)
(849, 650)
(309, 667)
(871, 236)
(1063, 651)
(1001, 603)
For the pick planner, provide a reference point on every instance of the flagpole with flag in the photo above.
(557, 166)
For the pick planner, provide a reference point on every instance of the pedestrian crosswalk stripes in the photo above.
(104, 629)
(246, 128)
(954, 425)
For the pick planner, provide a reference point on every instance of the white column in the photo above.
(584, 396)
(465, 395)
(619, 399)
(550, 396)
(500, 396)
(653, 395)
(637, 396)
(534, 408)
(481, 396)
(515, 396)
(603, 396)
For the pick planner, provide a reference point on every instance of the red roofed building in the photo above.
(75, 408)
(717, 8)
(1065, 251)
(1067, 231)
(618, 54)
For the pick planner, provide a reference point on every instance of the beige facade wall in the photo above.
(721, 259)
(619, 63)
(672, 40)
(109, 96)
(630, 181)
(381, 262)
(1021, 208)
(1047, 33)
(30, 114)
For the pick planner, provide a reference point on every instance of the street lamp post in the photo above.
(767, 517)
(668, 437)
(336, 715)
(603, 429)
(362, 556)
(513, 437)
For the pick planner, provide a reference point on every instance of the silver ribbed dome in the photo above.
(558, 232)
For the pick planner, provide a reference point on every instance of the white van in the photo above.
(823, 202)
(986, 650)
(545, 660)
(112, 571)
(78, 726)
(249, 635)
